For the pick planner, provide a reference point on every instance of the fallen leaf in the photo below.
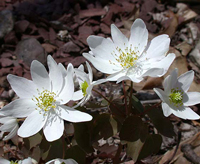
(91, 13)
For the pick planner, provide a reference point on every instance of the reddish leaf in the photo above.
(133, 129)
(91, 13)
(21, 26)
(5, 62)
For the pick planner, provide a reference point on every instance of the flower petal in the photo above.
(161, 94)
(28, 161)
(4, 119)
(166, 109)
(154, 72)
(73, 115)
(129, 77)
(77, 95)
(68, 89)
(139, 35)
(192, 98)
(118, 38)
(60, 161)
(106, 50)
(54, 127)
(40, 75)
(94, 41)
(82, 76)
(9, 125)
(4, 161)
(89, 71)
(62, 69)
(102, 64)
(32, 124)
(186, 113)
(162, 64)
(19, 108)
(23, 88)
(185, 80)
(170, 81)
(55, 75)
(12, 133)
(116, 76)
(158, 46)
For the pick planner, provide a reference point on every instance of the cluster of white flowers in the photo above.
(134, 58)
(32, 161)
(25, 161)
(42, 100)
(175, 98)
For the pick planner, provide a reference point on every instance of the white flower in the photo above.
(62, 161)
(175, 98)
(132, 58)
(42, 100)
(25, 161)
(10, 125)
(86, 84)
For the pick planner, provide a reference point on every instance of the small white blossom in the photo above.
(9, 124)
(25, 161)
(175, 98)
(42, 100)
(62, 161)
(130, 59)
(86, 84)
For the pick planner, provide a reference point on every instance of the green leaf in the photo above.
(161, 123)
(52, 150)
(35, 140)
(136, 104)
(133, 149)
(114, 124)
(103, 127)
(83, 136)
(151, 146)
(133, 129)
(77, 154)
(118, 110)
(32, 141)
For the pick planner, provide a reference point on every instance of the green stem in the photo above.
(125, 97)
(63, 141)
(106, 99)
(155, 105)
(130, 98)
(116, 159)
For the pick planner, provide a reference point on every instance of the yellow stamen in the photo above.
(46, 100)
(127, 58)
(84, 87)
(176, 97)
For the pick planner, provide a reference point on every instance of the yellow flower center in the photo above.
(12, 162)
(126, 58)
(45, 100)
(176, 97)
(84, 87)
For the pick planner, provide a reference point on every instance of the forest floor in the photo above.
(32, 29)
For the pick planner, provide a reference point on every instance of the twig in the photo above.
(178, 142)
(190, 154)
(116, 159)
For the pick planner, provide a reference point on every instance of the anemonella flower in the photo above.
(42, 100)
(62, 161)
(175, 98)
(86, 84)
(10, 125)
(130, 59)
(24, 161)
